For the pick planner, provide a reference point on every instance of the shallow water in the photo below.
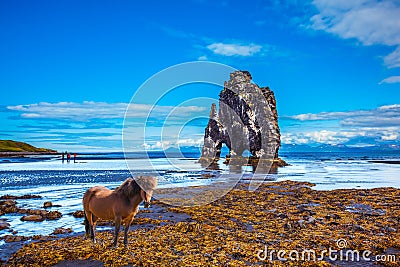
(65, 183)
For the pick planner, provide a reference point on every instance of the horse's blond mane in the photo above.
(146, 182)
(131, 187)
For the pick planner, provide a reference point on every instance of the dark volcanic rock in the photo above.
(78, 214)
(53, 215)
(47, 204)
(247, 119)
(34, 218)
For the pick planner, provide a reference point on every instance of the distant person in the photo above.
(68, 157)
(62, 155)
(74, 157)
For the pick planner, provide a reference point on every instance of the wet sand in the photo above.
(233, 230)
(24, 154)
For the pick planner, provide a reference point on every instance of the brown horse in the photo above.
(119, 205)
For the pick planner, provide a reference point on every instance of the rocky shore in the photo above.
(238, 229)
(148, 218)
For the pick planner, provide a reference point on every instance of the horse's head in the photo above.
(147, 185)
(146, 197)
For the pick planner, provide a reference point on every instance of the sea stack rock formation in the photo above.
(247, 119)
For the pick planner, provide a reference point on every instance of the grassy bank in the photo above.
(14, 146)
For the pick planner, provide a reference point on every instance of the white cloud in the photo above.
(234, 49)
(390, 107)
(324, 136)
(98, 125)
(165, 144)
(190, 142)
(89, 110)
(343, 136)
(202, 58)
(383, 116)
(370, 22)
(393, 59)
(71, 110)
(320, 116)
(390, 137)
(352, 127)
(391, 79)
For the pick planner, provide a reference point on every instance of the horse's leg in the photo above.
(117, 227)
(87, 226)
(93, 228)
(128, 222)
(126, 230)
(90, 226)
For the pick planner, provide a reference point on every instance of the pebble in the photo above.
(61, 230)
(390, 229)
(301, 223)
(287, 226)
(311, 220)
(282, 215)
(4, 225)
(47, 204)
(358, 227)
(333, 216)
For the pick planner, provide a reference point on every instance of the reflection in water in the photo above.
(241, 165)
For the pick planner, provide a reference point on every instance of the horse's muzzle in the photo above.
(146, 204)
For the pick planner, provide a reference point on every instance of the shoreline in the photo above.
(23, 154)
(280, 215)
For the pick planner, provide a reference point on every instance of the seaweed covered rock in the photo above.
(62, 231)
(34, 218)
(78, 214)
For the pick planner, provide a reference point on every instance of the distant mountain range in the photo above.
(285, 148)
(337, 148)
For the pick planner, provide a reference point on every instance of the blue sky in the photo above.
(70, 68)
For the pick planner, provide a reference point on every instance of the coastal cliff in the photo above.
(247, 119)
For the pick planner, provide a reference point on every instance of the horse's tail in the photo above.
(85, 201)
